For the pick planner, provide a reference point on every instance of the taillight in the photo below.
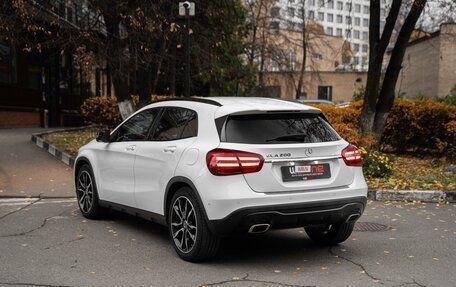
(352, 156)
(230, 162)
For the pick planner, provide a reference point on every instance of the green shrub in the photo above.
(376, 164)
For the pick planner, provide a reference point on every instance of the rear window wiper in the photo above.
(296, 137)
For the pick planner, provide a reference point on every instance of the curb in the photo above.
(53, 150)
(377, 195)
(412, 195)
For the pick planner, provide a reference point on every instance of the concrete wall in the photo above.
(447, 66)
(344, 84)
(429, 66)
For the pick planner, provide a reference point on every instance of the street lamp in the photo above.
(187, 9)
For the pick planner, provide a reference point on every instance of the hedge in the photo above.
(417, 126)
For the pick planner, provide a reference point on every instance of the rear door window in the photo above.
(176, 123)
(278, 129)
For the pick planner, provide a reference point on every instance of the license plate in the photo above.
(305, 172)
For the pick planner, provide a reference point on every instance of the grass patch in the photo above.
(409, 172)
(70, 141)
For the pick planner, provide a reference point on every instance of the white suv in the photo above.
(209, 167)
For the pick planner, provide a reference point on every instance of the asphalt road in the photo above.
(48, 243)
(26, 170)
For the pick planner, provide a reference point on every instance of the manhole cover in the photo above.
(370, 226)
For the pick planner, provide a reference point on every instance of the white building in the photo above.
(344, 18)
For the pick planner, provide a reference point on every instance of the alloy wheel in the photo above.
(85, 191)
(183, 224)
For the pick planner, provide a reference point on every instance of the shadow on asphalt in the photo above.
(234, 249)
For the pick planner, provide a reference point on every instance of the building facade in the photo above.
(347, 19)
(429, 66)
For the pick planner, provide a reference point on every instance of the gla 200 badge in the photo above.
(307, 152)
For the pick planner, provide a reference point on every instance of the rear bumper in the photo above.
(290, 215)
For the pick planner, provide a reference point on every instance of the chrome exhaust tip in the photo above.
(259, 228)
(353, 217)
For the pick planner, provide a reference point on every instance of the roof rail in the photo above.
(198, 100)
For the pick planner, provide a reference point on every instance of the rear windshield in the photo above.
(278, 129)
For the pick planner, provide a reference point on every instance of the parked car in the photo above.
(209, 167)
(315, 102)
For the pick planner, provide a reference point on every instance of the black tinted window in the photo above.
(279, 129)
(136, 128)
(176, 123)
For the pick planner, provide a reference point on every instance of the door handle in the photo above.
(170, 148)
(130, 148)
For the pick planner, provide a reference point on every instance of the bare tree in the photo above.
(378, 104)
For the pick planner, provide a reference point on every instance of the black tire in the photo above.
(89, 208)
(205, 244)
(330, 234)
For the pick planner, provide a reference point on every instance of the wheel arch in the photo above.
(173, 186)
(79, 163)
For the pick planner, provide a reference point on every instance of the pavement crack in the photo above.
(19, 209)
(246, 279)
(33, 229)
(65, 242)
(355, 263)
(31, 284)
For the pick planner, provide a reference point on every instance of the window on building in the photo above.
(321, 3)
(312, 2)
(348, 33)
(293, 60)
(321, 16)
(366, 22)
(365, 35)
(290, 25)
(331, 4)
(330, 18)
(382, 12)
(311, 15)
(7, 65)
(339, 19)
(275, 12)
(325, 93)
(356, 60)
(366, 9)
(348, 6)
(339, 32)
(274, 25)
(317, 56)
(290, 12)
(340, 5)
(365, 48)
(357, 21)
(356, 47)
(357, 8)
(274, 66)
(329, 31)
(348, 20)
(356, 34)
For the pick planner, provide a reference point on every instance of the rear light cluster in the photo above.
(352, 156)
(230, 162)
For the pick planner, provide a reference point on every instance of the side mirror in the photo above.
(103, 136)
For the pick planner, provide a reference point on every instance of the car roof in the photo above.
(237, 105)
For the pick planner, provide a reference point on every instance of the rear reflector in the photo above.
(230, 162)
(352, 156)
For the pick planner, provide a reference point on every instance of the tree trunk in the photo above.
(377, 49)
(386, 99)
(304, 51)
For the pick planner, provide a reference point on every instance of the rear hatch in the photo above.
(302, 151)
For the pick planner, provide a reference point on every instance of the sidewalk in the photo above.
(26, 170)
